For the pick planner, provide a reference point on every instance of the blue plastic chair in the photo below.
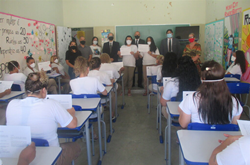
(240, 88)
(40, 142)
(15, 87)
(211, 127)
(233, 75)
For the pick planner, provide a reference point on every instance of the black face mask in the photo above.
(111, 38)
(73, 47)
(82, 42)
(137, 37)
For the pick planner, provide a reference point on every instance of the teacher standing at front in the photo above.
(112, 48)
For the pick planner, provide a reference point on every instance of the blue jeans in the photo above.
(71, 73)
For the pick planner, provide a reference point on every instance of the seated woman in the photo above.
(239, 64)
(186, 79)
(52, 86)
(43, 116)
(212, 103)
(3, 107)
(56, 66)
(15, 74)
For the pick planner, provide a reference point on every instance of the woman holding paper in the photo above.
(149, 59)
(128, 55)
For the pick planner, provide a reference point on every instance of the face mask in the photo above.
(128, 42)
(82, 42)
(32, 65)
(73, 47)
(137, 37)
(233, 58)
(169, 35)
(111, 38)
(95, 42)
(56, 61)
(191, 40)
(149, 43)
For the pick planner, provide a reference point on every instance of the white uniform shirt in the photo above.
(129, 60)
(42, 115)
(190, 105)
(110, 67)
(234, 69)
(18, 78)
(27, 71)
(171, 89)
(103, 77)
(148, 59)
(86, 85)
(235, 153)
(59, 67)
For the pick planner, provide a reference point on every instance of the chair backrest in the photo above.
(40, 142)
(233, 75)
(186, 93)
(165, 80)
(119, 65)
(77, 107)
(85, 96)
(15, 87)
(238, 88)
(173, 99)
(151, 70)
(216, 127)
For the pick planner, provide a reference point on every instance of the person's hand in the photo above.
(149, 52)
(122, 69)
(72, 111)
(112, 81)
(132, 53)
(7, 91)
(161, 89)
(27, 155)
(119, 53)
(111, 59)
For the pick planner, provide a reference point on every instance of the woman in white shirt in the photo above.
(96, 49)
(239, 64)
(213, 102)
(56, 66)
(129, 64)
(52, 86)
(149, 59)
(43, 115)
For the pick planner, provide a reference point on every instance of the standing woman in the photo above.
(239, 64)
(149, 59)
(71, 55)
(193, 49)
(96, 49)
(129, 64)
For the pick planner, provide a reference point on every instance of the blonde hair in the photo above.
(192, 34)
(160, 58)
(81, 65)
(105, 58)
(52, 58)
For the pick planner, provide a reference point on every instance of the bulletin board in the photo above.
(63, 39)
(214, 41)
(20, 37)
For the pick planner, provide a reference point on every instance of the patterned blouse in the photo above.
(196, 49)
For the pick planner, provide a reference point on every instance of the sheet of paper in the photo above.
(44, 65)
(5, 85)
(143, 48)
(119, 65)
(244, 126)
(64, 100)
(125, 51)
(13, 139)
(152, 70)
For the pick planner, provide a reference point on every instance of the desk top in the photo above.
(197, 146)
(108, 88)
(88, 103)
(173, 107)
(233, 79)
(12, 95)
(44, 155)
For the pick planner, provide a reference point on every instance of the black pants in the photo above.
(139, 69)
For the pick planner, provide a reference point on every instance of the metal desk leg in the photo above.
(115, 90)
(88, 142)
(169, 139)
(110, 118)
(148, 97)
(181, 159)
(123, 103)
(59, 84)
(99, 132)
(160, 132)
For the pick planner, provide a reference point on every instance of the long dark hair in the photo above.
(70, 44)
(93, 40)
(126, 39)
(189, 79)
(169, 65)
(152, 45)
(240, 59)
(215, 105)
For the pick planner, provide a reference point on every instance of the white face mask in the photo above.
(56, 61)
(94, 42)
(128, 42)
(149, 43)
(233, 58)
(33, 65)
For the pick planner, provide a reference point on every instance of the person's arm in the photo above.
(178, 48)
(6, 92)
(90, 57)
(184, 119)
(56, 69)
(104, 92)
(69, 64)
(163, 101)
(161, 47)
(73, 122)
(27, 155)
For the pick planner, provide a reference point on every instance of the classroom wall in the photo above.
(50, 11)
